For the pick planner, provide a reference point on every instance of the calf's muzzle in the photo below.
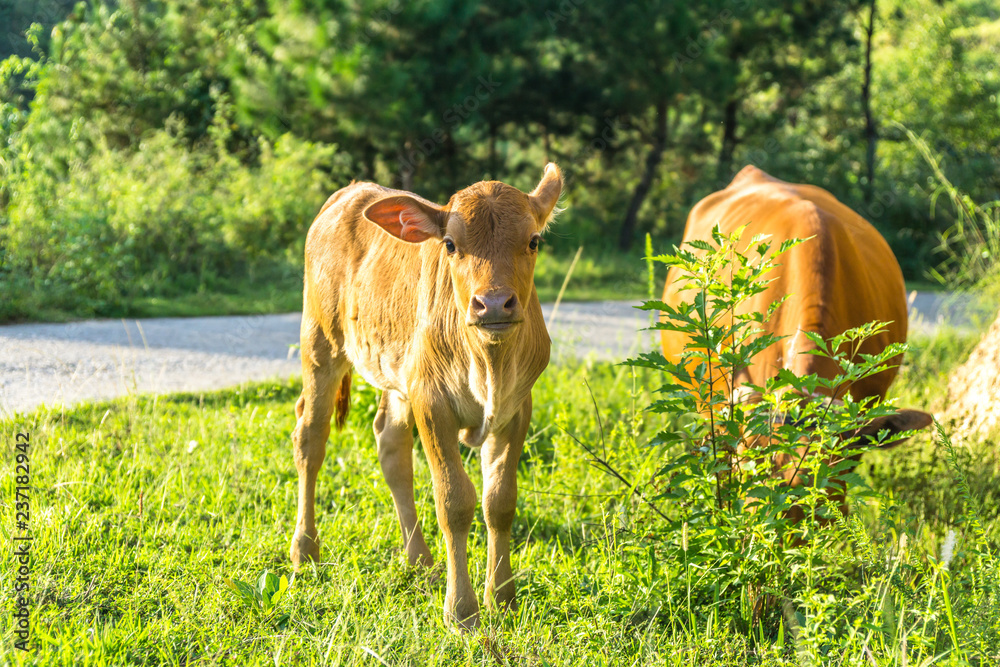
(495, 310)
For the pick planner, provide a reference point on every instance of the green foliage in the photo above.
(717, 500)
(598, 275)
(647, 107)
(263, 597)
(161, 220)
(742, 441)
(972, 244)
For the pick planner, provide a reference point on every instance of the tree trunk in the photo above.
(407, 165)
(729, 141)
(493, 150)
(871, 131)
(627, 232)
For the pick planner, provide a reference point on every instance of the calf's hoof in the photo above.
(304, 549)
(419, 556)
(462, 617)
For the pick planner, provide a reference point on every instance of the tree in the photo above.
(408, 88)
(871, 132)
(779, 50)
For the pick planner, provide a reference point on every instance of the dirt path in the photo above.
(68, 363)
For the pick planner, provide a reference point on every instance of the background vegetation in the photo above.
(155, 150)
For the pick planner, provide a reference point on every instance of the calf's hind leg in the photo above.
(325, 383)
(394, 434)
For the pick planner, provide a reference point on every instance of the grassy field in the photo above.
(143, 507)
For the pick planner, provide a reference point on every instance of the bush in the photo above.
(160, 220)
(725, 541)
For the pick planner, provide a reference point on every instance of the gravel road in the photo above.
(68, 363)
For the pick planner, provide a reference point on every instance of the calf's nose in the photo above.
(494, 306)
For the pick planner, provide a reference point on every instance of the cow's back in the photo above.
(842, 277)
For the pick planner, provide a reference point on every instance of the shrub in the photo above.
(723, 541)
(163, 219)
(723, 468)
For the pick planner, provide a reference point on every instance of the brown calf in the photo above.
(436, 306)
(843, 276)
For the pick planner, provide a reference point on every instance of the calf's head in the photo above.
(488, 233)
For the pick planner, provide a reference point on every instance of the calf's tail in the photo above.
(343, 400)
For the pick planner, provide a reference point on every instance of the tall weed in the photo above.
(718, 538)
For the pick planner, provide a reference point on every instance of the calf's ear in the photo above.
(545, 196)
(408, 218)
(899, 422)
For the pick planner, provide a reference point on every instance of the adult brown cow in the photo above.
(843, 276)
(436, 306)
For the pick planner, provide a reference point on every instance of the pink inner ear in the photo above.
(402, 220)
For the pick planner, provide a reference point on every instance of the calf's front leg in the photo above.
(500, 455)
(455, 502)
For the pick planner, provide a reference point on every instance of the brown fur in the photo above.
(455, 343)
(842, 277)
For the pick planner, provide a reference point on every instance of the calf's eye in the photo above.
(449, 246)
(533, 244)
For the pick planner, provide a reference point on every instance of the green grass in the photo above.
(246, 298)
(599, 275)
(142, 507)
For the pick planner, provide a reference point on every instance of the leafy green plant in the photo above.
(727, 463)
(972, 244)
(263, 597)
(162, 220)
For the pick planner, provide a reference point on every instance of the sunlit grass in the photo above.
(143, 507)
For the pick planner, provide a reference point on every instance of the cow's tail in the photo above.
(343, 400)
